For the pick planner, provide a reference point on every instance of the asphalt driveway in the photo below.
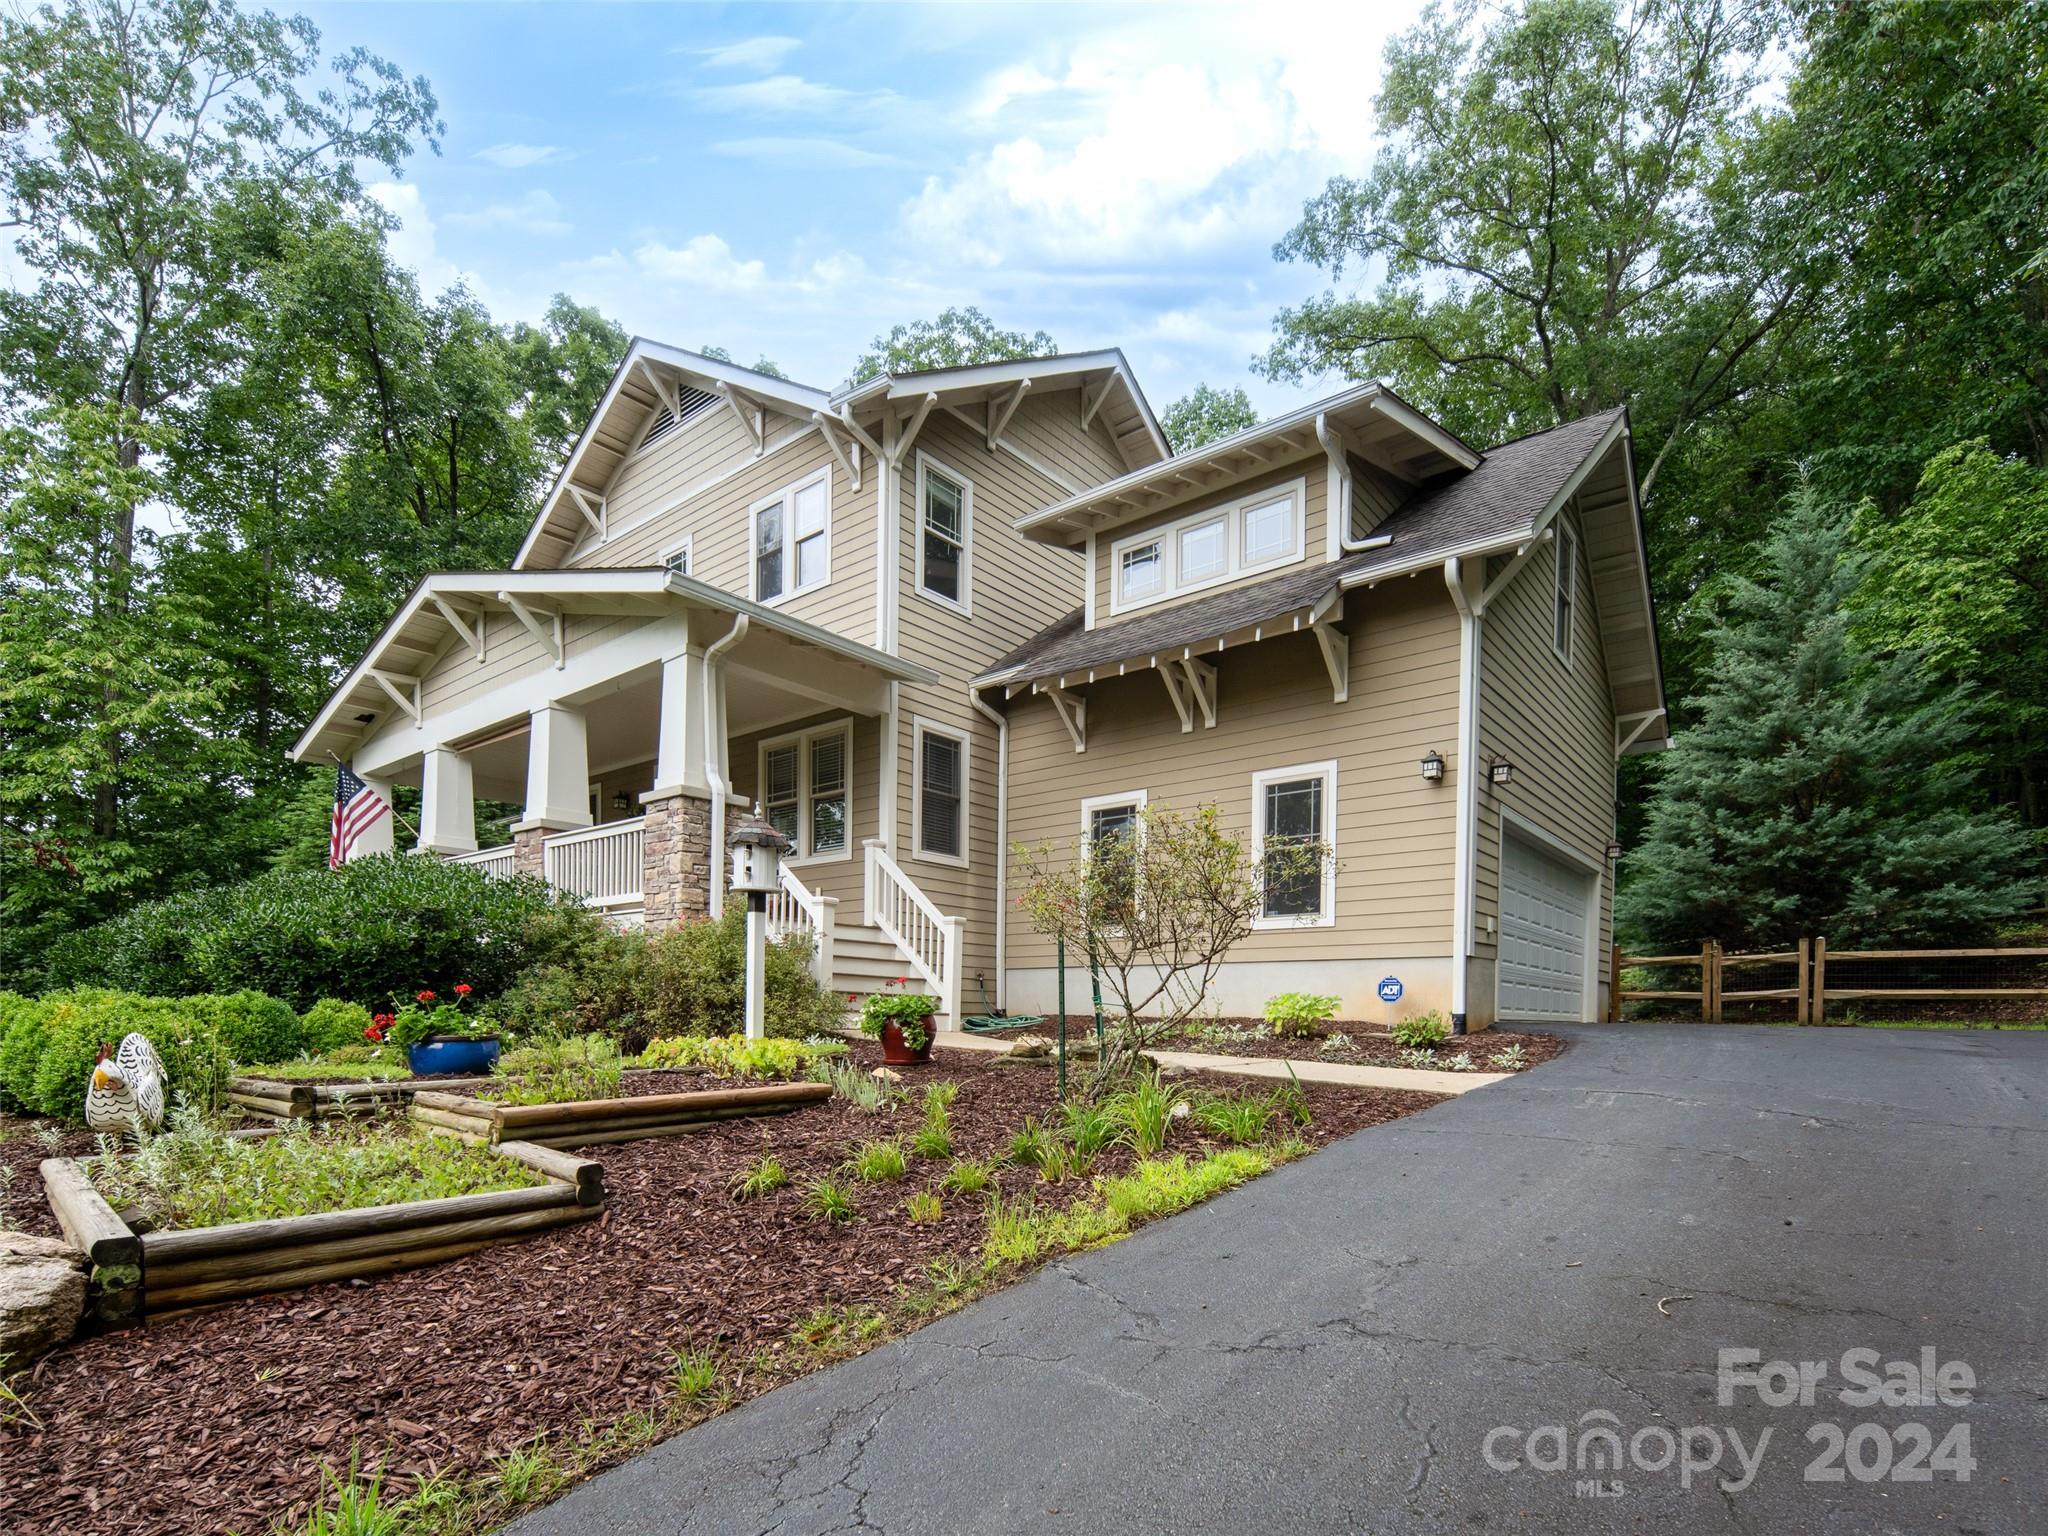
(1340, 1345)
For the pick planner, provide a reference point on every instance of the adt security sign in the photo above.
(1390, 990)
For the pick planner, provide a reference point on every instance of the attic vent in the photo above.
(693, 402)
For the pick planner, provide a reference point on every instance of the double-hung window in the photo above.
(807, 790)
(1565, 588)
(1294, 843)
(939, 811)
(945, 517)
(1111, 825)
(792, 538)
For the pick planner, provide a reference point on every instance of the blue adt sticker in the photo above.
(1390, 990)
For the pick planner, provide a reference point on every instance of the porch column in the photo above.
(557, 783)
(447, 802)
(676, 852)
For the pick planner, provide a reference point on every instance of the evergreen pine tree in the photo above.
(1824, 789)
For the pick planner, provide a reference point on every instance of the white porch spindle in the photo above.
(496, 861)
(930, 938)
(601, 864)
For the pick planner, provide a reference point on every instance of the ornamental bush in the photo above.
(24, 1030)
(252, 1027)
(377, 929)
(1425, 1032)
(186, 1033)
(332, 1025)
(1300, 1013)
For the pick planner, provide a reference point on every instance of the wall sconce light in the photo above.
(1613, 852)
(1501, 771)
(621, 801)
(1432, 768)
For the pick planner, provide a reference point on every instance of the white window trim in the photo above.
(685, 546)
(1327, 772)
(1564, 577)
(801, 740)
(1094, 803)
(1168, 537)
(787, 496)
(925, 464)
(920, 728)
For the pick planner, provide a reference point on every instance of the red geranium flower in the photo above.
(424, 997)
(462, 989)
(383, 1020)
(375, 1032)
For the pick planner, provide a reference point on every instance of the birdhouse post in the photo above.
(757, 850)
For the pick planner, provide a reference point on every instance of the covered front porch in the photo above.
(625, 715)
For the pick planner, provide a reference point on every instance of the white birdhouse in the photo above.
(757, 850)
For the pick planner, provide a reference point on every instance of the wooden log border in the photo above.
(136, 1276)
(593, 1122)
(297, 1099)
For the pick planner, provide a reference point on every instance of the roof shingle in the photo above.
(1501, 498)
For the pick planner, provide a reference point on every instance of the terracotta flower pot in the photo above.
(897, 1053)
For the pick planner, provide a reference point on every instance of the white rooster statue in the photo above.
(127, 1089)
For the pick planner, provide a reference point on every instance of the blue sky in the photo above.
(791, 180)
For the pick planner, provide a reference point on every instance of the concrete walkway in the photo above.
(1338, 1346)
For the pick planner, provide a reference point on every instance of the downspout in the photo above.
(714, 753)
(1339, 495)
(1466, 849)
(1002, 721)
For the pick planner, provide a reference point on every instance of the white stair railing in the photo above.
(796, 908)
(601, 864)
(492, 861)
(930, 939)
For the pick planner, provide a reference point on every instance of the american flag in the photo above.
(356, 809)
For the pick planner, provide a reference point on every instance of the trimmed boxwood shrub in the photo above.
(24, 1029)
(252, 1028)
(183, 1030)
(330, 1025)
(376, 929)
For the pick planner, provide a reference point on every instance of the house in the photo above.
(925, 619)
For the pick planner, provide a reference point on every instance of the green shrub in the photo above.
(24, 1030)
(376, 929)
(1300, 1013)
(599, 982)
(251, 1027)
(1424, 1033)
(332, 1025)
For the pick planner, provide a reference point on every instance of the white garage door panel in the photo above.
(1543, 902)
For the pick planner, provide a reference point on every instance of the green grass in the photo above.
(1236, 1119)
(829, 1200)
(1143, 1115)
(762, 1178)
(878, 1162)
(968, 1176)
(1028, 1148)
(692, 1374)
(197, 1176)
(923, 1206)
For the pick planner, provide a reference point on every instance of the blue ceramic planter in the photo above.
(459, 1055)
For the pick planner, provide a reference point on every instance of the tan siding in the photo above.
(640, 500)
(1555, 724)
(1395, 834)
(830, 877)
(1314, 535)
(1048, 427)
(1374, 495)
(716, 520)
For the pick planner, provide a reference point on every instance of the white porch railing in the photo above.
(601, 864)
(926, 935)
(796, 908)
(492, 861)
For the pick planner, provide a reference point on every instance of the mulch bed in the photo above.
(22, 1150)
(1370, 1045)
(218, 1420)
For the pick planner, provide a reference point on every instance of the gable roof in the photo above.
(1491, 509)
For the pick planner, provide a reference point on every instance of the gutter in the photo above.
(1002, 721)
(1339, 495)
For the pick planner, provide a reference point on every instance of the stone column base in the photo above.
(675, 860)
(527, 858)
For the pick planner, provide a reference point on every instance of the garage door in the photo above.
(1543, 926)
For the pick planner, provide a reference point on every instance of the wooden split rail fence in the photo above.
(1810, 991)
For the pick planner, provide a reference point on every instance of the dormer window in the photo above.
(1254, 533)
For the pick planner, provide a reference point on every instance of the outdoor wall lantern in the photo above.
(1432, 768)
(757, 850)
(621, 801)
(1502, 771)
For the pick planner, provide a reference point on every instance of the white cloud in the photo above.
(1172, 137)
(537, 213)
(703, 261)
(785, 96)
(413, 243)
(517, 157)
(747, 53)
(800, 153)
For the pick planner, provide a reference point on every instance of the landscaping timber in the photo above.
(113, 1253)
(589, 1122)
(305, 1100)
